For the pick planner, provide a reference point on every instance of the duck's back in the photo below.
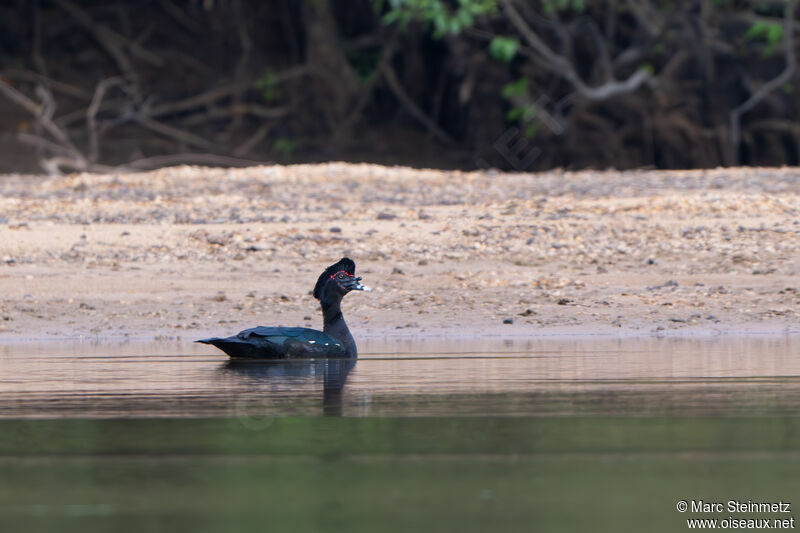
(267, 342)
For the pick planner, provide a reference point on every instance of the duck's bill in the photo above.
(357, 286)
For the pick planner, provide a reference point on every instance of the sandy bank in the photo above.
(188, 251)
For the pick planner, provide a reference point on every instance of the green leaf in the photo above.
(464, 18)
(532, 130)
(770, 32)
(758, 29)
(284, 147)
(268, 85)
(453, 26)
(647, 67)
(514, 114)
(391, 16)
(517, 88)
(503, 48)
(774, 34)
(439, 15)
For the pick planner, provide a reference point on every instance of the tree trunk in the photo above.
(336, 84)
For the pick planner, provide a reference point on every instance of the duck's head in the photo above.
(338, 279)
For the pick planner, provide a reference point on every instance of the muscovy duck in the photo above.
(335, 340)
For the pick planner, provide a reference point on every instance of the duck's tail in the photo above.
(233, 346)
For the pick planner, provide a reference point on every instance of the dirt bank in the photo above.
(187, 251)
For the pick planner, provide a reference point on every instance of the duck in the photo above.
(278, 342)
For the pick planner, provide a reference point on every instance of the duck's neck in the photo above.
(335, 326)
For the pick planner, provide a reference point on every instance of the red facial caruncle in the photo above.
(341, 272)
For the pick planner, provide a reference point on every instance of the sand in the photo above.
(186, 252)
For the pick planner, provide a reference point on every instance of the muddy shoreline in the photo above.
(183, 252)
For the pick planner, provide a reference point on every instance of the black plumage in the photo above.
(335, 339)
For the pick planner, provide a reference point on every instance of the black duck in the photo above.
(277, 342)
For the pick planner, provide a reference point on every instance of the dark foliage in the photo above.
(514, 84)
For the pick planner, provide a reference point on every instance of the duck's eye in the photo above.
(341, 275)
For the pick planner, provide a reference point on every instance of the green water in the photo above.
(387, 474)
(572, 437)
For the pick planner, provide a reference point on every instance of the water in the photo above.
(744, 376)
(468, 435)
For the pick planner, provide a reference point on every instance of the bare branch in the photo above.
(180, 17)
(394, 84)
(357, 110)
(533, 40)
(43, 114)
(19, 98)
(246, 45)
(42, 143)
(60, 86)
(36, 52)
(91, 114)
(237, 110)
(54, 165)
(600, 44)
(784, 77)
(644, 17)
(108, 37)
(564, 67)
(189, 159)
(245, 148)
(174, 133)
(219, 93)
(115, 44)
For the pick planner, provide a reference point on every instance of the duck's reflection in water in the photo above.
(295, 374)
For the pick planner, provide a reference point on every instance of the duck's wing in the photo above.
(271, 342)
(322, 343)
(274, 331)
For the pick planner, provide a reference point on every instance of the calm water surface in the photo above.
(408, 378)
(592, 434)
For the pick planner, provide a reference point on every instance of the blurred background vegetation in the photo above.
(512, 84)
